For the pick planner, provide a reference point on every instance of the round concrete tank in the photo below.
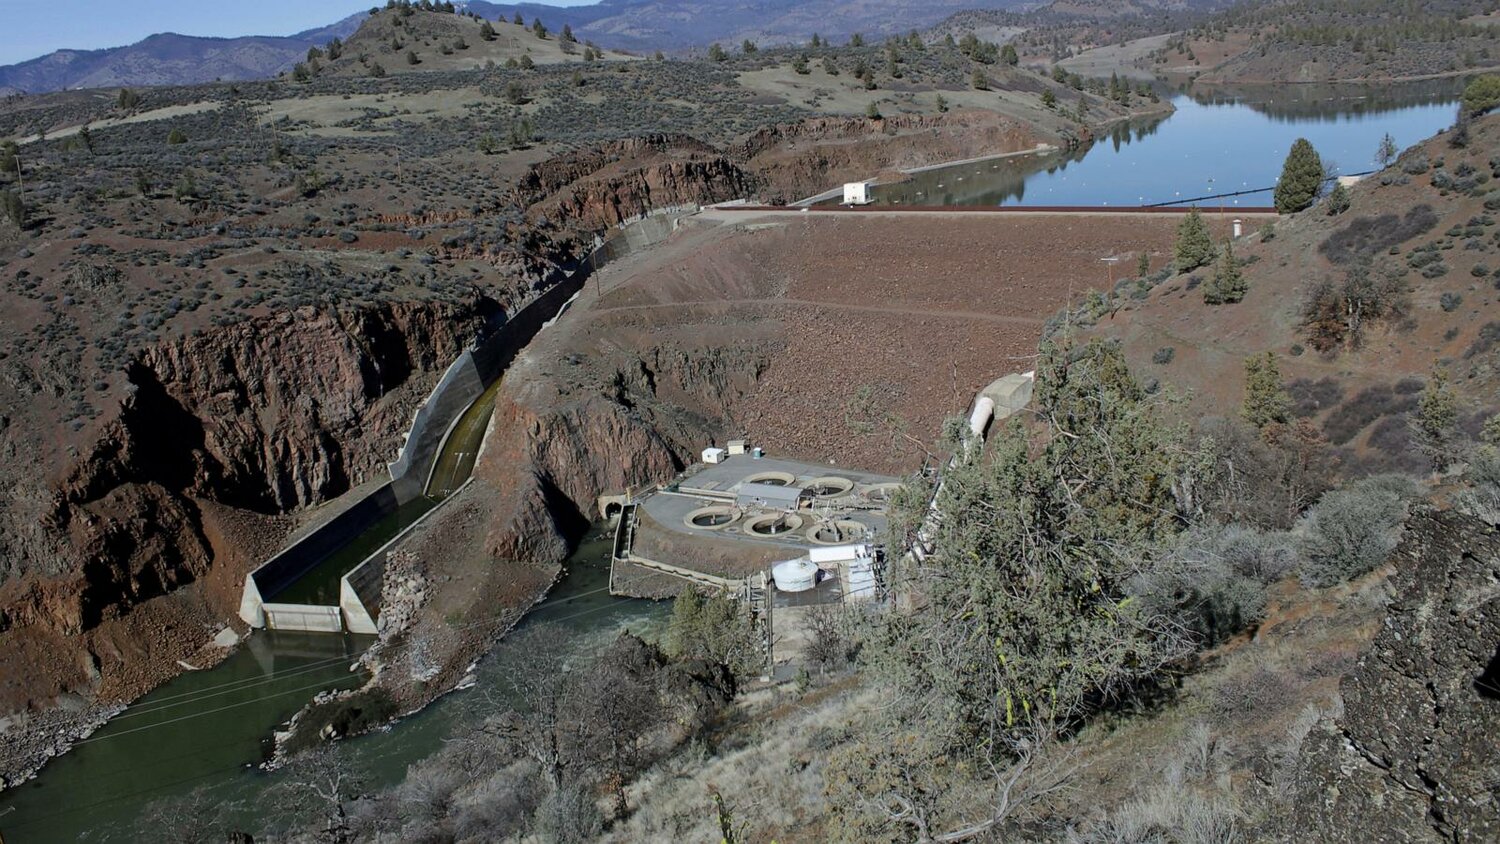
(795, 575)
(829, 487)
(837, 532)
(772, 478)
(773, 524)
(879, 493)
(716, 517)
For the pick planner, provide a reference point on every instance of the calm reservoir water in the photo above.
(1208, 146)
(208, 729)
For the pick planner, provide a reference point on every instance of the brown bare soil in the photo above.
(879, 325)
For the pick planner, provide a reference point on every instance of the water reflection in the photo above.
(1219, 140)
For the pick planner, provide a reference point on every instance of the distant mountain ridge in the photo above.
(170, 59)
(679, 24)
(639, 25)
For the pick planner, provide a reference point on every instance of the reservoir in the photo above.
(1227, 142)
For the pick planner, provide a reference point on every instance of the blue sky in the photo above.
(32, 28)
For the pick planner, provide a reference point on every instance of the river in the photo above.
(1222, 142)
(209, 729)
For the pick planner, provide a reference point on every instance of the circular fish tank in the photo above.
(830, 487)
(774, 524)
(716, 517)
(879, 493)
(840, 532)
(772, 478)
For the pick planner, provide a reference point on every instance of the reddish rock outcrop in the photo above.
(801, 159)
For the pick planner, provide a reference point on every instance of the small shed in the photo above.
(736, 447)
(769, 496)
(857, 193)
(714, 455)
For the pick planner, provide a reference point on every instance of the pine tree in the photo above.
(868, 77)
(1266, 398)
(1228, 284)
(538, 29)
(1143, 265)
(486, 32)
(872, 111)
(856, 40)
(748, 47)
(942, 103)
(1387, 151)
(1010, 56)
(979, 80)
(1194, 248)
(1482, 95)
(1049, 99)
(14, 208)
(716, 53)
(567, 33)
(1301, 178)
(1437, 420)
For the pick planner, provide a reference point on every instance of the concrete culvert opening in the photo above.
(712, 518)
(830, 487)
(838, 532)
(773, 524)
(772, 478)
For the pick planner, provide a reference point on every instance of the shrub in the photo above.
(1354, 529)
(1214, 582)
(1450, 301)
(1370, 404)
(1164, 355)
(1488, 338)
(1365, 236)
(1312, 397)
(1338, 200)
(176, 136)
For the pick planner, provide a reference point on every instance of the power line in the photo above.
(235, 767)
(247, 683)
(189, 716)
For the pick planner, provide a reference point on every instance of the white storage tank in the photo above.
(795, 575)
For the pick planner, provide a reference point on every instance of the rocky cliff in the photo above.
(591, 189)
(258, 419)
(558, 443)
(797, 160)
(1413, 757)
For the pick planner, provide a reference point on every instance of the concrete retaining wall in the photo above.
(463, 382)
(457, 389)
